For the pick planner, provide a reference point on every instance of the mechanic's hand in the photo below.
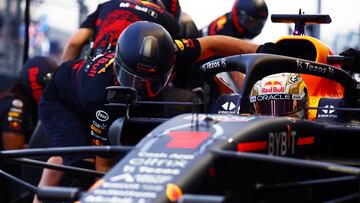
(355, 66)
(269, 48)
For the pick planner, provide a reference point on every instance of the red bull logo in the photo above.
(273, 86)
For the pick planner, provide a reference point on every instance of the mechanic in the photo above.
(352, 67)
(14, 122)
(282, 94)
(34, 75)
(246, 20)
(19, 97)
(74, 113)
(18, 112)
(111, 18)
(14, 126)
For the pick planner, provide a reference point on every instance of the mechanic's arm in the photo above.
(104, 164)
(75, 44)
(14, 125)
(224, 46)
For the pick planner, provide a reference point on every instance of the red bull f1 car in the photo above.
(230, 154)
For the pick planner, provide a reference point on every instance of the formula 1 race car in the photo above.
(238, 155)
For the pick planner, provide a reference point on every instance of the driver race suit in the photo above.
(74, 113)
(112, 17)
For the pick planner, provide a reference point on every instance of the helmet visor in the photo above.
(251, 25)
(145, 87)
(278, 104)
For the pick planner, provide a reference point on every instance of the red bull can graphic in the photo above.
(273, 86)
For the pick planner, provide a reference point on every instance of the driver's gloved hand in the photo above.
(355, 66)
(269, 48)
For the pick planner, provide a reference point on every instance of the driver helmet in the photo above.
(283, 94)
(249, 17)
(144, 58)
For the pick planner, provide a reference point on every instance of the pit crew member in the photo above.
(106, 23)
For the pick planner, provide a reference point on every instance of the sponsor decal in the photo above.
(165, 155)
(273, 86)
(294, 78)
(19, 120)
(125, 193)
(222, 118)
(125, 177)
(280, 142)
(155, 162)
(17, 103)
(356, 76)
(95, 142)
(266, 97)
(129, 169)
(101, 62)
(15, 125)
(36, 88)
(100, 126)
(166, 171)
(228, 106)
(16, 110)
(129, 186)
(14, 114)
(188, 43)
(101, 199)
(124, 5)
(102, 115)
(95, 129)
(180, 45)
(181, 156)
(152, 155)
(186, 139)
(142, 67)
(328, 112)
(152, 179)
(110, 62)
(302, 65)
(173, 192)
(214, 64)
(221, 22)
(150, 187)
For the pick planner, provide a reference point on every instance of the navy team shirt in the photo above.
(85, 95)
(112, 17)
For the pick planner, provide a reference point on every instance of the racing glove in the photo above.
(354, 66)
(269, 48)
